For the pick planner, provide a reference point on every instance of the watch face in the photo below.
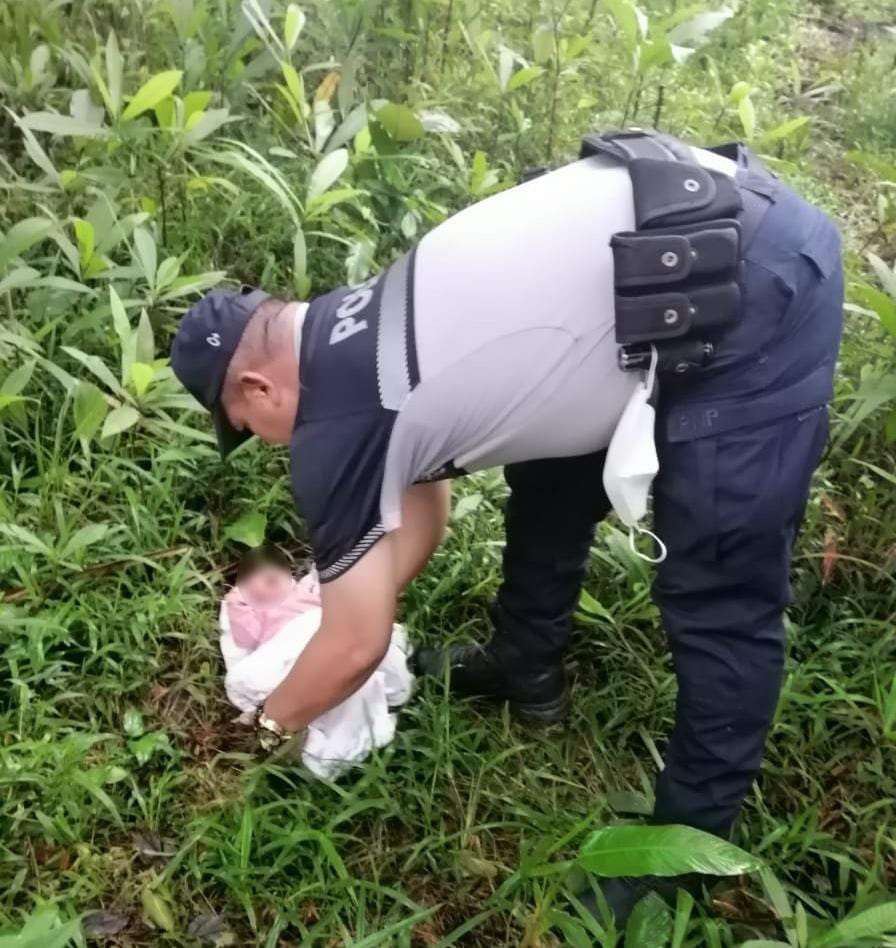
(269, 725)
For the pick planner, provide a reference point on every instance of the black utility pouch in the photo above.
(676, 281)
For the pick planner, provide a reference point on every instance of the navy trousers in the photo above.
(737, 449)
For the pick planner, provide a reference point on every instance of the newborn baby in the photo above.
(266, 596)
(267, 620)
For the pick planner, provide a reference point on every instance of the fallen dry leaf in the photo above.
(830, 557)
(97, 924)
(327, 88)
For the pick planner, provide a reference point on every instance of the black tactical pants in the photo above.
(735, 467)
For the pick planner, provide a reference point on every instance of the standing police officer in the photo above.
(494, 342)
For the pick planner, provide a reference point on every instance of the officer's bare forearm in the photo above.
(331, 668)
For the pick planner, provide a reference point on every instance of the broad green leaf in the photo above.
(188, 17)
(84, 109)
(650, 924)
(193, 283)
(92, 781)
(38, 62)
(327, 172)
(85, 536)
(141, 375)
(739, 91)
(145, 250)
(100, 83)
(630, 20)
(43, 929)
(319, 206)
(157, 909)
(522, 77)
(132, 723)
(662, 851)
(120, 419)
(591, 606)
(84, 234)
(61, 283)
(885, 274)
(890, 435)
(145, 341)
(20, 277)
(68, 248)
(34, 151)
(166, 114)
(466, 505)
(292, 25)
(89, 409)
(655, 52)
(400, 122)
(151, 93)
(482, 178)
(349, 127)
(359, 261)
(114, 70)
(26, 538)
(68, 382)
(747, 114)
(684, 905)
(880, 304)
(126, 335)
(196, 102)
(96, 366)
(871, 923)
(875, 391)
(505, 66)
(202, 124)
(16, 381)
(7, 400)
(248, 529)
(57, 124)
(294, 83)
(22, 235)
(785, 129)
(167, 273)
(94, 266)
(573, 46)
(254, 165)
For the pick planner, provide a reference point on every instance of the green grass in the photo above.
(125, 786)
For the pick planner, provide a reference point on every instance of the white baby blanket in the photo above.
(342, 736)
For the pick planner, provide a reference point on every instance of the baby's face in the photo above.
(267, 584)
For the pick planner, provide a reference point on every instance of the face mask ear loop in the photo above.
(645, 532)
(650, 381)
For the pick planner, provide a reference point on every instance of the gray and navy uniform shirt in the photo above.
(489, 343)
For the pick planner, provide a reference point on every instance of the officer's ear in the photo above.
(255, 387)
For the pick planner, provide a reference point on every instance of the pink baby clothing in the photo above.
(251, 623)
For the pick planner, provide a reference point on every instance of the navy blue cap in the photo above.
(206, 340)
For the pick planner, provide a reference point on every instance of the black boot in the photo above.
(624, 892)
(535, 694)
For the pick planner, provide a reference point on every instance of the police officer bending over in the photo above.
(646, 278)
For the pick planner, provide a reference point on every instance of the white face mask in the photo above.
(632, 462)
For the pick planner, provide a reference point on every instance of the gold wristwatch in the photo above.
(270, 733)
